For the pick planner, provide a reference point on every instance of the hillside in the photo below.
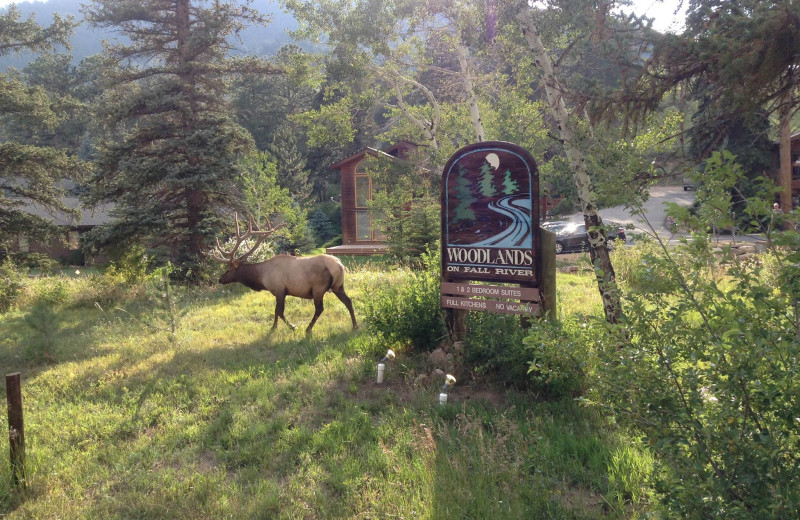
(87, 41)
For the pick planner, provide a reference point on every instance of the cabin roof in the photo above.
(360, 155)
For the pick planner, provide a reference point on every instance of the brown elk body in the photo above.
(309, 278)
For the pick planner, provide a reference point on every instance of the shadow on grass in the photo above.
(285, 426)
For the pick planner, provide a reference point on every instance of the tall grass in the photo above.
(228, 420)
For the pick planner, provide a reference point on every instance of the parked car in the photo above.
(575, 238)
(555, 225)
(688, 184)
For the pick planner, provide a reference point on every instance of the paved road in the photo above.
(655, 214)
(655, 210)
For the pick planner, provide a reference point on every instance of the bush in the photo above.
(560, 356)
(707, 369)
(45, 325)
(52, 291)
(12, 282)
(495, 347)
(410, 312)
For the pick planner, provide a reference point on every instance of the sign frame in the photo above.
(498, 239)
(490, 220)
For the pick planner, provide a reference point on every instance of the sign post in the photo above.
(490, 232)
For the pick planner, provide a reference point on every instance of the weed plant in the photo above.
(410, 312)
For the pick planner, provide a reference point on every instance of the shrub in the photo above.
(495, 347)
(52, 291)
(12, 282)
(707, 371)
(45, 324)
(410, 311)
(130, 266)
(560, 356)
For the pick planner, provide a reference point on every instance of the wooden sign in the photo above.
(491, 291)
(506, 307)
(490, 215)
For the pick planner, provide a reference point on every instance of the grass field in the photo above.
(223, 419)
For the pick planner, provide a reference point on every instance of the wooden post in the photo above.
(16, 428)
(456, 320)
(547, 287)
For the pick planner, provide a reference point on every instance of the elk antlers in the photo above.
(229, 257)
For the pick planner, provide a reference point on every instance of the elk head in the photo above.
(230, 258)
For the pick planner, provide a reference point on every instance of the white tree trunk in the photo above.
(570, 139)
(430, 128)
(469, 87)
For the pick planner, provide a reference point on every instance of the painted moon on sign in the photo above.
(493, 160)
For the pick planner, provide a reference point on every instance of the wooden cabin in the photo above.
(360, 233)
(795, 140)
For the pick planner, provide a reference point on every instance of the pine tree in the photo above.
(510, 187)
(170, 158)
(486, 181)
(293, 174)
(29, 171)
(465, 198)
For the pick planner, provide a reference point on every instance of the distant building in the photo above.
(795, 139)
(66, 245)
(360, 233)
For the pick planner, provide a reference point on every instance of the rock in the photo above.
(439, 373)
(422, 380)
(438, 359)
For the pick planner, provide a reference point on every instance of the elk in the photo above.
(284, 275)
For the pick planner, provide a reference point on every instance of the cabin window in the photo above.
(363, 190)
(365, 225)
(73, 240)
(795, 166)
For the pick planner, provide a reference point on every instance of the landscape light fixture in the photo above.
(448, 382)
(382, 365)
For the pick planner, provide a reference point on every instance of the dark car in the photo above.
(575, 238)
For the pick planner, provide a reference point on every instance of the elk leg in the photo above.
(347, 303)
(318, 308)
(280, 303)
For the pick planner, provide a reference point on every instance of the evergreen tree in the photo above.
(29, 172)
(486, 180)
(510, 187)
(465, 197)
(293, 174)
(169, 160)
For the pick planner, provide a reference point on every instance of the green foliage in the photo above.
(168, 157)
(12, 283)
(52, 294)
(131, 266)
(321, 226)
(560, 356)
(410, 311)
(267, 201)
(44, 323)
(709, 378)
(495, 349)
(29, 167)
(413, 229)
(167, 302)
